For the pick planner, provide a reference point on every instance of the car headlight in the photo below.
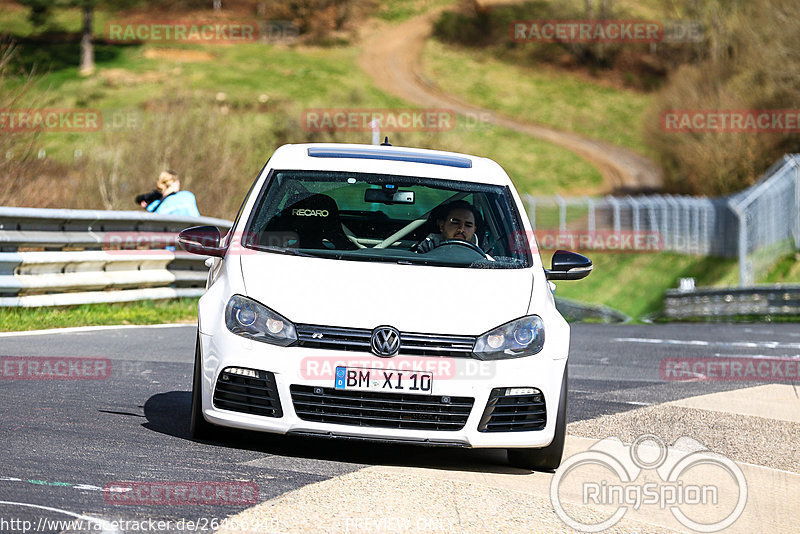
(247, 318)
(521, 337)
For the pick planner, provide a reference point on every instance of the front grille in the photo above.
(358, 339)
(506, 413)
(247, 394)
(433, 345)
(384, 410)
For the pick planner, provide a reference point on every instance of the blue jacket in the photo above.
(180, 203)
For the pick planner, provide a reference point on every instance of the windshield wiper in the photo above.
(289, 251)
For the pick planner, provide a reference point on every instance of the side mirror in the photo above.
(568, 265)
(203, 240)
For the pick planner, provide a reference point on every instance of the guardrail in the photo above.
(52, 257)
(730, 302)
(575, 311)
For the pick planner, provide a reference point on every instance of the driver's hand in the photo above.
(426, 245)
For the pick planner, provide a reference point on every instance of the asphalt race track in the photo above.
(64, 441)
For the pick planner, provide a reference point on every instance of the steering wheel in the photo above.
(462, 243)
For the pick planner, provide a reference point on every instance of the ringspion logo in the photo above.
(702, 490)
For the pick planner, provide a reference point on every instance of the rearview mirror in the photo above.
(389, 196)
(203, 240)
(568, 265)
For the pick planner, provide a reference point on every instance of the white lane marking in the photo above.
(91, 329)
(88, 487)
(638, 403)
(737, 344)
(107, 528)
(661, 341)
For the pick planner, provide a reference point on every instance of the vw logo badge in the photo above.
(385, 341)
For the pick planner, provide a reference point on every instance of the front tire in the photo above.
(199, 428)
(547, 458)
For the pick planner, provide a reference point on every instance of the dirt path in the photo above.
(391, 55)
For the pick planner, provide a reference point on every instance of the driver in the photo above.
(458, 223)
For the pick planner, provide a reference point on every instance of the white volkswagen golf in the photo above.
(388, 294)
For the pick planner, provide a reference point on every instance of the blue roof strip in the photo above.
(392, 155)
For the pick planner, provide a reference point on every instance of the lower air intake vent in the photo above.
(248, 391)
(513, 413)
(385, 410)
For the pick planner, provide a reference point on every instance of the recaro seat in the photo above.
(315, 221)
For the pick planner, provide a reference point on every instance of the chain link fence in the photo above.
(757, 225)
(768, 216)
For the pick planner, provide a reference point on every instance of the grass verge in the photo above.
(545, 96)
(143, 312)
(401, 10)
(635, 284)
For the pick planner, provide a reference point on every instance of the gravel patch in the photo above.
(754, 440)
(369, 501)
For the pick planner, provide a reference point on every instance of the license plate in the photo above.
(400, 381)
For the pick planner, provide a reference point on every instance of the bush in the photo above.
(23, 177)
(475, 26)
(752, 63)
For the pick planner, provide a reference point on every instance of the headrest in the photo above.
(316, 210)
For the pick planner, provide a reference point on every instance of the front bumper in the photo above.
(314, 368)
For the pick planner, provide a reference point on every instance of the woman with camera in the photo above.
(168, 199)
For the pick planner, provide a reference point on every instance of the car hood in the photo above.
(411, 298)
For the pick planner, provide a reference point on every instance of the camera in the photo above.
(149, 198)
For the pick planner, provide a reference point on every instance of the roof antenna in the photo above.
(386, 141)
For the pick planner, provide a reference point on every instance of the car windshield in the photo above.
(379, 217)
